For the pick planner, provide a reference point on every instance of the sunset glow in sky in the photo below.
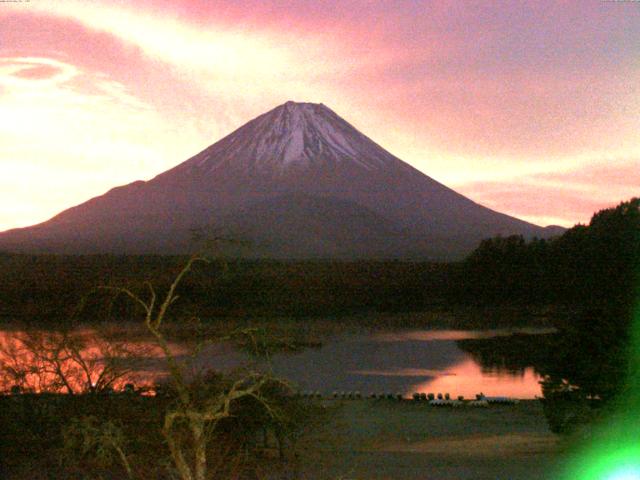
(531, 108)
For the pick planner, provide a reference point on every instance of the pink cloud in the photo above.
(567, 197)
(527, 200)
(38, 72)
(614, 173)
(69, 41)
(539, 79)
(468, 79)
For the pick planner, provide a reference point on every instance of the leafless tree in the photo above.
(68, 361)
(188, 426)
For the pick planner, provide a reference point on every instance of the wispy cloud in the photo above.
(70, 142)
(562, 197)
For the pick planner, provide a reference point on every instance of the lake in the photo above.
(405, 362)
(399, 362)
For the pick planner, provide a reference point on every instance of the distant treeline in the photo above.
(588, 264)
(36, 288)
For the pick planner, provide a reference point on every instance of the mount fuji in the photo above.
(296, 182)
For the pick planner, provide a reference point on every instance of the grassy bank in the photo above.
(357, 439)
(390, 440)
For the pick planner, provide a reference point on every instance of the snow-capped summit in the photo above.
(293, 135)
(297, 181)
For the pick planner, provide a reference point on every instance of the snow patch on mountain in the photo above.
(293, 135)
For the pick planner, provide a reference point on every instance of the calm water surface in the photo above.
(398, 362)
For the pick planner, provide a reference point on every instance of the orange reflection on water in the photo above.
(467, 378)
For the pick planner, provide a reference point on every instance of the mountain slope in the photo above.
(298, 178)
(301, 226)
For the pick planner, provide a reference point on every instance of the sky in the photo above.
(531, 107)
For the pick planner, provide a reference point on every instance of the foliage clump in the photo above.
(594, 269)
